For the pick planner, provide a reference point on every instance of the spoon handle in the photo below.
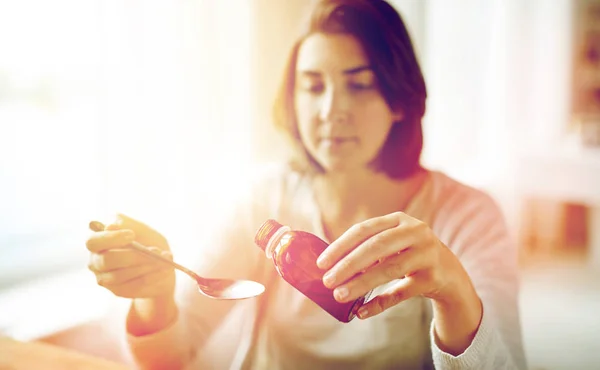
(98, 226)
(139, 247)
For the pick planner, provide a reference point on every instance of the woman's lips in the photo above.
(337, 140)
(338, 144)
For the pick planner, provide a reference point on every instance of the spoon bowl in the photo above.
(210, 287)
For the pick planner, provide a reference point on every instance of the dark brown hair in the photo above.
(385, 39)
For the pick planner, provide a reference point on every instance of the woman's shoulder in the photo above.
(458, 197)
(257, 193)
(274, 176)
(464, 216)
(270, 183)
(448, 186)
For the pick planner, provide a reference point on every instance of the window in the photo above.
(112, 106)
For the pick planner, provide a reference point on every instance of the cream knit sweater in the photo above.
(285, 330)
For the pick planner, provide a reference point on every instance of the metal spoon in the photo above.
(213, 288)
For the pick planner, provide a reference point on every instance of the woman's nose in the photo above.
(335, 107)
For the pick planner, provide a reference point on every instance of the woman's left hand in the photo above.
(389, 248)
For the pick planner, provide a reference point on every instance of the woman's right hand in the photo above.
(124, 271)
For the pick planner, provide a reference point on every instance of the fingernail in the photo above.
(362, 312)
(321, 262)
(341, 292)
(96, 226)
(328, 279)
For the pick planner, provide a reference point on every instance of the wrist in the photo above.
(151, 315)
(459, 293)
(465, 306)
(457, 316)
(457, 285)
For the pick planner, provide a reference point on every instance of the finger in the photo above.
(164, 253)
(122, 276)
(156, 250)
(112, 226)
(125, 221)
(393, 268)
(110, 260)
(104, 240)
(146, 286)
(401, 291)
(373, 251)
(355, 236)
(156, 282)
(145, 234)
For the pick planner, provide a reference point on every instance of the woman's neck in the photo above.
(350, 197)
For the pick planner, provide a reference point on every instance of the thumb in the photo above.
(121, 221)
(145, 233)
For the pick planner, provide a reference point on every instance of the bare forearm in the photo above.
(456, 324)
(151, 315)
(456, 321)
(165, 348)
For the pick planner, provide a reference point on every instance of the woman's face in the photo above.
(343, 119)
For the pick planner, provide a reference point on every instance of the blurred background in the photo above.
(161, 110)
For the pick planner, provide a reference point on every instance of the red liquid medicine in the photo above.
(294, 254)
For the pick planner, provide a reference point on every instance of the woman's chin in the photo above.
(341, 165)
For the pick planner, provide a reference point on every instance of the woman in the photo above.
(352, 100)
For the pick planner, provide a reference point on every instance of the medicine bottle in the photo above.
(294, 254)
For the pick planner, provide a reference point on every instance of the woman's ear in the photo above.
(398, 115)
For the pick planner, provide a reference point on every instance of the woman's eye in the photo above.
(359, 86)
(314, 89)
